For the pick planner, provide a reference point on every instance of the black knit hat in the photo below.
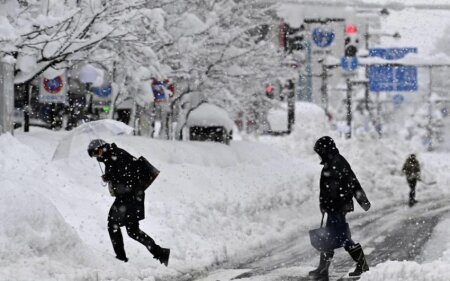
(94, 146)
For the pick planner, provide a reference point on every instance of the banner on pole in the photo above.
(53, 90)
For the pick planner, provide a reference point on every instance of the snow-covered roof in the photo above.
(208, 115)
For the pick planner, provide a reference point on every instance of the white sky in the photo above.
(419, 28)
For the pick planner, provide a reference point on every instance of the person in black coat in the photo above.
(338, 187)
(122, 173)
(411, 169)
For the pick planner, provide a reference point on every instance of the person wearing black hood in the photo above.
(123, 178)
(411, 169)
(338, 186)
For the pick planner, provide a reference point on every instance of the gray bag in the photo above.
(325, 239)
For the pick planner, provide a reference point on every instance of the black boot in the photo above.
(122, 258)
(161, 254)
(117, 241)
(357, 254)
(324, 264)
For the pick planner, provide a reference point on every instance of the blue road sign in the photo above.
(388, 78)
(398, 99)
(349, 63)
(102, 92)
(391, 53)
(322, 38)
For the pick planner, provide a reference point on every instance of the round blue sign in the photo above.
(349, 63)
(398, 99)
(322, 38)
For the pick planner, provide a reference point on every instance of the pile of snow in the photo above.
(35, 237)
(210, 115)
(311, 123)
(277, 118)
(224, 200)
(408, 271)
(310, 120)
(228, 202)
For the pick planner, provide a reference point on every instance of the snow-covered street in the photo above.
(394, 233)
(245, 207)
(219, 140)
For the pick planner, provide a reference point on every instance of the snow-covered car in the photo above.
(209, 122)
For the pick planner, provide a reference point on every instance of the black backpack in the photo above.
(148, 173)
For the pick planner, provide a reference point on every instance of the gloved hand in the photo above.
(105, 178)
(366, 206)
(322, 210)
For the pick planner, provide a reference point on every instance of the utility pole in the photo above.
(348, 102)
(26, 112)
(324, 87)
(430, 111)
(348, 134)
(6, 94)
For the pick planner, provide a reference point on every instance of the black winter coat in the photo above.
(122, 172)
(411, 168)
(338, 183)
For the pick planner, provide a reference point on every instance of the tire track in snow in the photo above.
(395, 232)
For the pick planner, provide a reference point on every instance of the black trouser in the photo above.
(337, 223)
(412, 185)
(134, 232)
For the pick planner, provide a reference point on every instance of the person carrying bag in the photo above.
(338, 187)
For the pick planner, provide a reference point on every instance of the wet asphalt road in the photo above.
(396, 232)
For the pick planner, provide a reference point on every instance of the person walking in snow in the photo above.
(411, 169)
(338, 186)
(123, 178)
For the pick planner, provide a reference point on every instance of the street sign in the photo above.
(388, 78)
(101, 96)
(391, 53)
(102, 92)
(322, 38)
(53, 90)
(349, 63)
(398, 99)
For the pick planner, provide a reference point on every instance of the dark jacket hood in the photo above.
(108, 151)
(326, 148)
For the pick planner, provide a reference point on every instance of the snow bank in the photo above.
(208, 115)
(224, 200)
(408, 271)
(33, 234)
(310, 124)
(40, 217)
(211, 203)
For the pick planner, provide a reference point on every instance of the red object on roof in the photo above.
(350, 29)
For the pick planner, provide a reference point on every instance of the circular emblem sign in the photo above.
(53, 86)
(322, 38)
(398, 99)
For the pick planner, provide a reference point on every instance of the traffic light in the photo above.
(292, 39)
(351, 41)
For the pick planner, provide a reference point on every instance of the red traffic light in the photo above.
(350, 29)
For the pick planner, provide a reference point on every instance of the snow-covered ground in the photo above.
(211, 204)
